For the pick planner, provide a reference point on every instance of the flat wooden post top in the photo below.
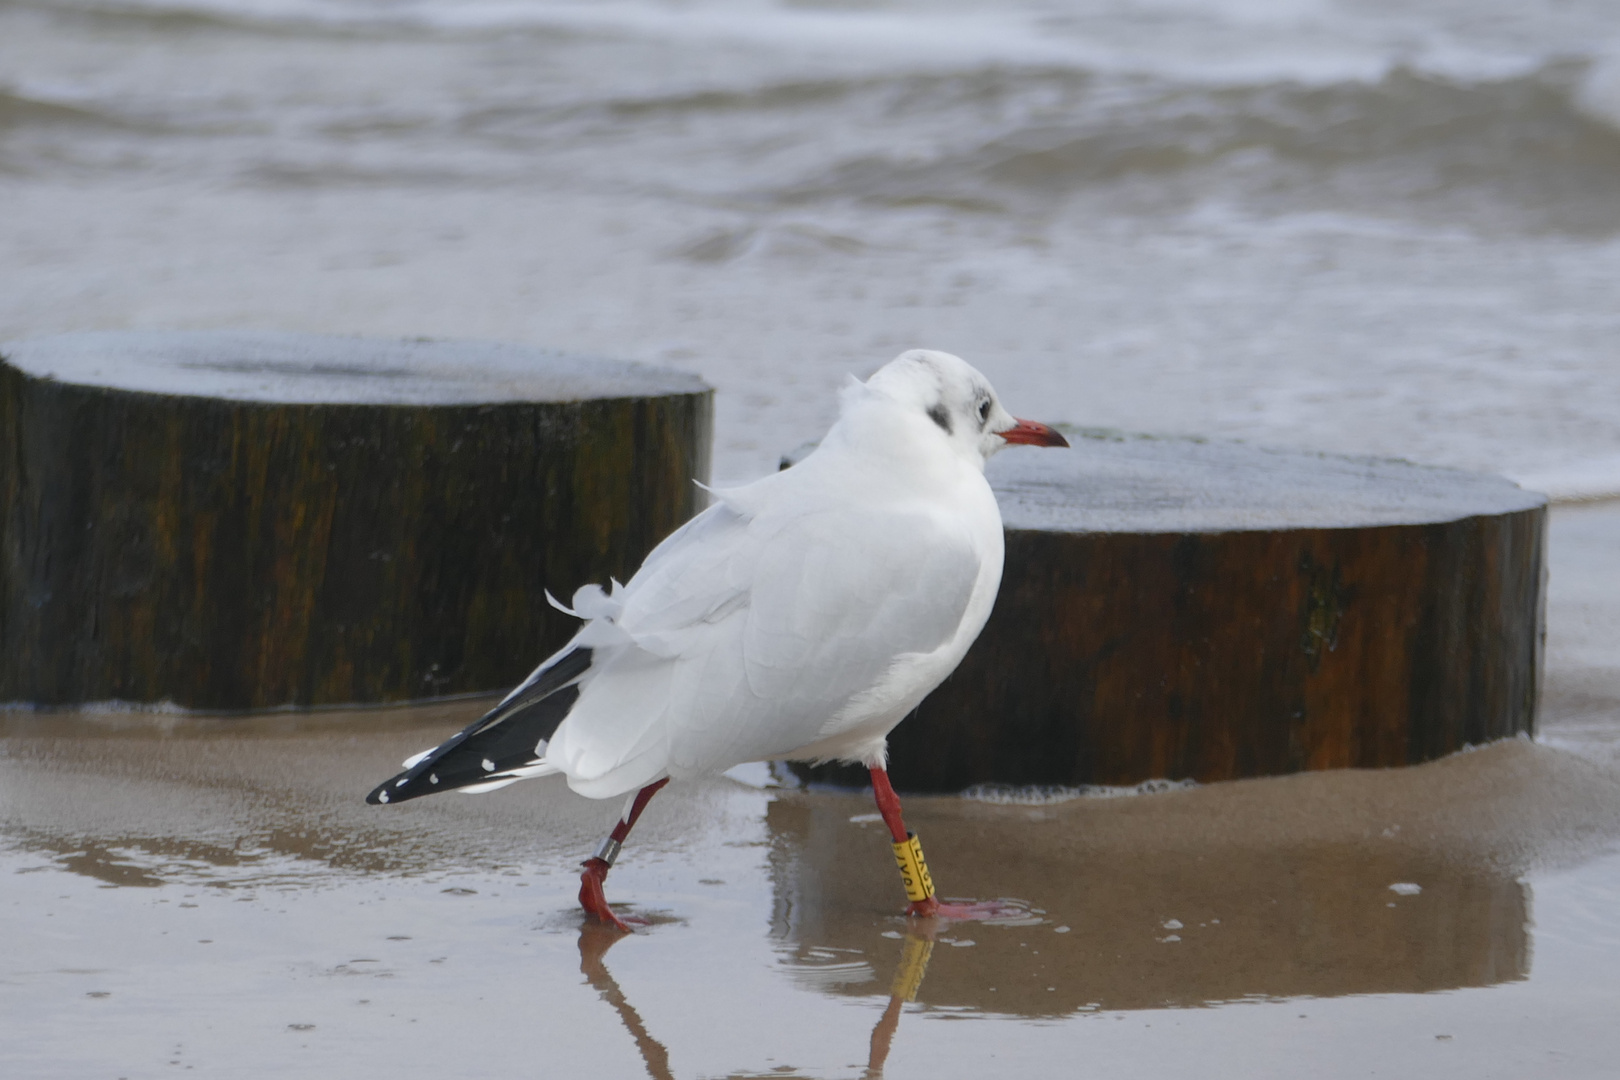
(318, 369)
(1130, 483)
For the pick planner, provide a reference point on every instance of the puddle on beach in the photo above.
(213, 893)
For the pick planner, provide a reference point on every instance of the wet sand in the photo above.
(210, 893)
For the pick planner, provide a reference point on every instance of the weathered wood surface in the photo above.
(1208, 611)
(235, 521)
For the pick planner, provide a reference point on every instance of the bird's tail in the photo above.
(505, 745)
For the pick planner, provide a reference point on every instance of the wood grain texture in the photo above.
(1121, 655)
(227, 554)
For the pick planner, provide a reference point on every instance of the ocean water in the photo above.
(1374, 227)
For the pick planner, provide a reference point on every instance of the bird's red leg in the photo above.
(919, 884)
(888, 804)
(598, 865)
(923, 902)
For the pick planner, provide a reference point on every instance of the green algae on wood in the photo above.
(298, 520)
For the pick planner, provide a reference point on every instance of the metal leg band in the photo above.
(608, 851)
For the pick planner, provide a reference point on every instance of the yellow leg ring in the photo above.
(913, 869)
(914, 954)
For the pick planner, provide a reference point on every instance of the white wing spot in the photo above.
(433, 778)
(489, 766)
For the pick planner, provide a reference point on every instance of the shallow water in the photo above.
(220, 898)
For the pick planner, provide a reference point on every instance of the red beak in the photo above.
(1032, 433)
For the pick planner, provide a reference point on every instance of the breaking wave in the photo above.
(1006, 113)
(1409, 142)
(23, 110)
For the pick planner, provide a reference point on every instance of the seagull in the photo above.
(799, 617)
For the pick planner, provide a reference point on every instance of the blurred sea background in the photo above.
(1379, 227)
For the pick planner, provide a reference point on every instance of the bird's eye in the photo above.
(984, 410)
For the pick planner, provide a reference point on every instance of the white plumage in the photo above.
(801, 616)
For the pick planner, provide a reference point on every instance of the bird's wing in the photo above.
(842, 594)
(764, 627)
(697, 575)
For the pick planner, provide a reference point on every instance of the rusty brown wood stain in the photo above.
(1112, 658)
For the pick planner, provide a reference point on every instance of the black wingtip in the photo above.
(397, 789)
(545, 702)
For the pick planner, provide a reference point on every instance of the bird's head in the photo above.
(958, 402)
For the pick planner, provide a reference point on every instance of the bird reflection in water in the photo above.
(595, 939)
(916, 946)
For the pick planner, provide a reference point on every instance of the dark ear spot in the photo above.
(938, 415)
